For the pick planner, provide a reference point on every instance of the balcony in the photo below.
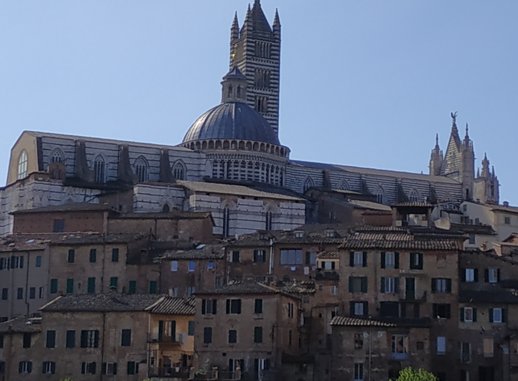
(168, 341)
(168, 372)
(327, 275)
(399, 356)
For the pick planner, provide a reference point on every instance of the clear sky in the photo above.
(363, 82)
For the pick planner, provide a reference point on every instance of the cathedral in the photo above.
(230, 162)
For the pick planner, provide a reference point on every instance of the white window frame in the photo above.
(358, 308)
(395, 343)
(469, 275)
(492, 275)
(499, 314)
(110, 368)
(22, 165)
(468, 314)
(390, 260)
(47, 367)
(358, 259)
(389, 285)
(441, 345)
(25, 367)
(358, 371)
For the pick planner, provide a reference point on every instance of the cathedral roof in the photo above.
(232, 120)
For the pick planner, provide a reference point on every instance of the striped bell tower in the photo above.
(255, 49)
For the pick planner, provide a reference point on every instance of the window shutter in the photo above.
(114, 368)
(364, 259)
(214, 306)
(239, 306)
(350, 284)
(475, 275)
(433, 285)
(396, 285)
(228, 306)
(396, 260)
(103, 368)
(351, 308)
(448, 285)
(504, 315)
(474, 314)
(490, 315)
(462, 314)
(364, 284)
(351, 258)
(365, 309)
(20, 366)
(93, 367)
(498, 275)
(486, 275)
(203, 308)
(96, 339)
(382, 259)
(382, 284)
(464, 274)
(29, 367)
(84, 339)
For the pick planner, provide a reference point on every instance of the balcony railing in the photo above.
(170, 372)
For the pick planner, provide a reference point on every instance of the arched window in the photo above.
(22, 165)
(165, 208)
(141, 169)
(179, 171)
(99, 170)
(308, 184)
(413, 196)
(379, 195)
(57, 156)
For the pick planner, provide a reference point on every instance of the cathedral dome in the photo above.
(232, 121)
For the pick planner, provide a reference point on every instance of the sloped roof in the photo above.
(109, 302)
(21, 324)
(174, 306)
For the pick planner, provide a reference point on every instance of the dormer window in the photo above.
(298, 234)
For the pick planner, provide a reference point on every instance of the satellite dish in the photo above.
(443, 223)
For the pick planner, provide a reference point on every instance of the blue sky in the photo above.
(363, 82)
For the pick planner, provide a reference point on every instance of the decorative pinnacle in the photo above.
(277, 20)
(467, 131)
(437, 140)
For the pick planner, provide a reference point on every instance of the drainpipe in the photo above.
(27, 284)
(270, 260)
(102, 345)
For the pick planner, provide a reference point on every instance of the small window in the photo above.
(416, 261)
(19, 293)
(114, 282)
(109, 368)
(32, 292)
(258, 335)
(465, 352)
(389, 285)
(88, 367)
(492, 275)
(50, 339)
(192, 266)
(22, 165)
(70, 339)
(132, 287)
(70, 286)
(441, 345)
(507, 220)
(153, 287)
(132, 367)
(25, 367)
(53, 286)
(259, 256)
(358, 340)
(207, 335)
(209, 306)
(38, 261)
(89, 338)
(232, 336)
(179, 171)
(441, 310)
(441, 285)
(389, 260)
(399, 344)
(115, 254)
(99, 170)
(190, 328)
(90, 287)
(71, 257)
(211, 265)
(174, 265)
(357, 284)
(497, 315)
(358, 259)
(27, 338)
(233, 306)
(258, 306)
(358, 371)
(93, 255)
(235, 256)
(48, 367)
(126, 338)
(358, 308)
(470, 275)
(468, 314)
(58, 226)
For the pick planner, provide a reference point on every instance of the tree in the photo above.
(410, 374)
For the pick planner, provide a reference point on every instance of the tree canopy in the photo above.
(410, 374)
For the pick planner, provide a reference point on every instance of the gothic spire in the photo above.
(437, 141)
(276, 20)
(454, 131)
